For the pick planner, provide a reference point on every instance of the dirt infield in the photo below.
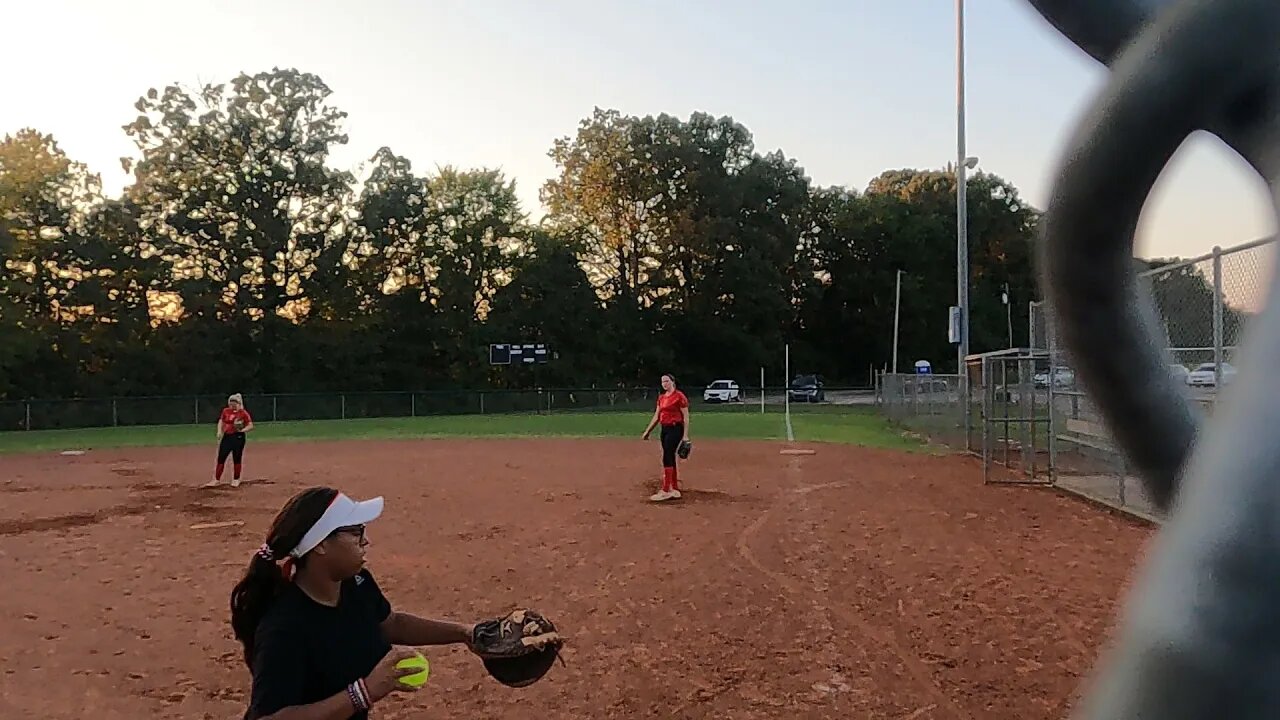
(847, 584)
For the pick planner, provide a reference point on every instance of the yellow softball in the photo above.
(418, 678)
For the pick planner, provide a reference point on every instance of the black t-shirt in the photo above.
(305, 652)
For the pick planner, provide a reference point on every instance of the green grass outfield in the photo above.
(857, 426)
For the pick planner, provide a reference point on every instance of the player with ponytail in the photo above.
(672, 413)
(234, 424)
(319, 636)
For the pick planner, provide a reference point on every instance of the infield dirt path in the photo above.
(848, 584)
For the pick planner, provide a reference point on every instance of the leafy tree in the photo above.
(236, 196)
(240, 259)
(609, 194)
(479, 229)
(1184, 299)
(690, 236)
(115, 279)
(551, 300)
(1001, 232)
(431, 252)
(44, 200)
(743, 264)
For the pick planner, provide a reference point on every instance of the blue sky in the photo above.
(849, 88)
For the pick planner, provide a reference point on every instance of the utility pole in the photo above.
(1008, 309)
(897, 304)
(962, 220)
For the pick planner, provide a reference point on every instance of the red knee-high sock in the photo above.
(666, 479)
(675, 478)
(236, 469)
(217, 471)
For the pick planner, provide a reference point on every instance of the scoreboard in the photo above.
(519, 354)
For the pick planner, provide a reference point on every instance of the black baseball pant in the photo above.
(671, 437)
(232, 445)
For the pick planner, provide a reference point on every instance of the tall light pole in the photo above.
(897, 305)
(962, 220)
(1005, 297)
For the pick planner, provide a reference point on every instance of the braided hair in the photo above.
(271, 566)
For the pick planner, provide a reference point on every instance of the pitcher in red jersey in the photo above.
(672, 414)
(233, 424)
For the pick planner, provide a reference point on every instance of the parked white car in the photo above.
(1063, 377)
(931, 384)
(1204, 375)
(722, 391)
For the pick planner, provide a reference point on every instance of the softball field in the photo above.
(851, 583)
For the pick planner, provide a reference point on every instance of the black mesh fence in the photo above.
(156, 410)
(205, 409)
(58, 414)
(13, 415)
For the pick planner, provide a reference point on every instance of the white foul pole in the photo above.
(787, 402)
(786, 376)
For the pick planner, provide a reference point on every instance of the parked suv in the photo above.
(722, 391)
(806, 388)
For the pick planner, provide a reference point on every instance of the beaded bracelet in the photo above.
(358, 695)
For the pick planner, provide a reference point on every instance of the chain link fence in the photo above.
(197, 409)
(931, 405)
(1202, 307)
(1026, 410)
(1007, 401)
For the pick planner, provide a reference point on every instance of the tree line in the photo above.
(238, 257)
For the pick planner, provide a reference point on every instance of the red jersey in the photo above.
(228, 420)
(669, 406)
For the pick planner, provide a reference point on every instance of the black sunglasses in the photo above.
(357, 530)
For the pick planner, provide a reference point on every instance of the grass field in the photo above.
(857, 426)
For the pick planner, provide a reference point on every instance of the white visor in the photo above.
(342, 512)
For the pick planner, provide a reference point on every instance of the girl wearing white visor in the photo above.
(319, 637)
